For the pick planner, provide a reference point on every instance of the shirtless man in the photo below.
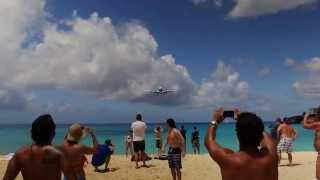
(257, 158)
(287, 135)
(40, 160)
(74, 152)
(313, 123)
(176, 146)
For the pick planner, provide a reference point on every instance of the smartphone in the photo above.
(228, 114)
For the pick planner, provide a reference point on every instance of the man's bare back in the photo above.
(74, 154)
(36, 163)
(244, 163)
(286, 130)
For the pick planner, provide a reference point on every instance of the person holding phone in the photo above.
(75, 152)
(257, 156)
(312, 122)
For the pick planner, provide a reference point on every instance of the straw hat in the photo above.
(75, 132)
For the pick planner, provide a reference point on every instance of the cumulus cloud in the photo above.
(95, 57)
(264, 71)
(224, 87)
(309, 87)
(217, 3)
(254, 8)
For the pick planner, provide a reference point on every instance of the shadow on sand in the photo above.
(292, 165)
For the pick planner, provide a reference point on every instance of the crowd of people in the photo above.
(257, 159)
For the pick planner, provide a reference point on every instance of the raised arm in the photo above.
(310, 125)
(95, 146)
(218, 153)
(13, 169)
(269, 144)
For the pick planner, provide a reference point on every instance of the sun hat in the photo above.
(75, 133)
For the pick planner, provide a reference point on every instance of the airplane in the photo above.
(161, 91)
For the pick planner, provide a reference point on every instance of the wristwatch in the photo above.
(214, 124)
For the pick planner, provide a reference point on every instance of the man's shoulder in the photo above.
(23, 150)
(138, 123)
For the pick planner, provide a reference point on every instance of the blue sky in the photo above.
(270, 50)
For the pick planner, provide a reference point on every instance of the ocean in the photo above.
(13, 137)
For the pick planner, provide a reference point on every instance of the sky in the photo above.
(92, 61)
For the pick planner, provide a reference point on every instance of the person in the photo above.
(257, 157)
(175, 141)
(40, 160)
(129, 143)
(103, 156)
(274, 129)
(139, 127)
(313, 123)
(183, 132)
(287, 135)
(195, 138)
(74, 151)
(157, 134)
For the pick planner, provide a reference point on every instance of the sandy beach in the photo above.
(194, 167)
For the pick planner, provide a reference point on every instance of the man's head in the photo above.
(182, 126)
(249, 129)
(194, 128)
(286, 121)
(171, 123)
(43, 130)
(139, 117)
(108, 142)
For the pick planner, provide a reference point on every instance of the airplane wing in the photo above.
(151, 92)
(170, 90)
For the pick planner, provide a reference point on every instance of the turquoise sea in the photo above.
(14, 136)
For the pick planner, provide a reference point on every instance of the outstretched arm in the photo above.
(94, 148)
(217, 152)
(310, 125)
(268, 144)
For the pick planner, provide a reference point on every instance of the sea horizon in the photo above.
(14, 136)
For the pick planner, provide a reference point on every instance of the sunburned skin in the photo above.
(286, 130)
(175, 139)
(250, 163)
(36, 163)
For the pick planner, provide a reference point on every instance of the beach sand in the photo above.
(199, 167)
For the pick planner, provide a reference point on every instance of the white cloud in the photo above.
(95, 57)
(254, 8)
(223, 88)
(217, 3)
(309, 87)
(264, 71)
(313, 65)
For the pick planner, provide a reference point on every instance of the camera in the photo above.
(228, 114)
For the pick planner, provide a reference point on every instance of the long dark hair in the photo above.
(171, 123)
